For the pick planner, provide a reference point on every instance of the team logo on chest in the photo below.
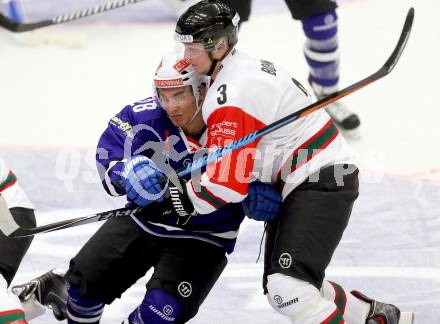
(285, 260)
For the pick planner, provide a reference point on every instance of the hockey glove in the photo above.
(145, 183)
(263, 202)
(141, 181)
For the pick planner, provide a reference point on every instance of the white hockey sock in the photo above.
(10, 306)
(354, 310)
(300, 301)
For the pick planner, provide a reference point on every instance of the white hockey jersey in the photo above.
(10, 190)
(246, 95)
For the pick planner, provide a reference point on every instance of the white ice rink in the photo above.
(55, 102)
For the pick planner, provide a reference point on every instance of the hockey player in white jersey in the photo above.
(15, 203)
(320, 25)
(47, 290)
(307, 160)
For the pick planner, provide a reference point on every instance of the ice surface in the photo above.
(55, 102)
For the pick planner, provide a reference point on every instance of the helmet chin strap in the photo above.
(215, 61)
(213, 64)
(199, 107)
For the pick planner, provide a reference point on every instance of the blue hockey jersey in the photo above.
(144, 128)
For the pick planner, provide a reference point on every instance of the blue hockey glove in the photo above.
(141, 181)
(263, 202)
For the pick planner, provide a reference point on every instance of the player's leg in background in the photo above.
(183, 277)
(12, 252)
(320, 25)
(14, 10)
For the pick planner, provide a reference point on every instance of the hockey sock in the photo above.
(353, 309)
(82, 310)
(300, 301)
(321, 51)
(157, 307)
(14, 11)
(10, 306)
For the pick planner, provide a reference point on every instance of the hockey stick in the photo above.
(196, 165)
(10, 228)
(17, 27)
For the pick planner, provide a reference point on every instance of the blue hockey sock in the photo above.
(81, 309)
(14, 11)
(158, 307)
(321, 50)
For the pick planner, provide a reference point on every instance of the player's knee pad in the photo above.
(158, 307)
(297, 299)
(81, 309)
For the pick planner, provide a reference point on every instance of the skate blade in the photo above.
(406, 318)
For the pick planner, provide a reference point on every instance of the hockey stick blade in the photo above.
(16, 27)
(196, 165)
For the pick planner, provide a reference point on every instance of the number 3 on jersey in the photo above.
(222, 98)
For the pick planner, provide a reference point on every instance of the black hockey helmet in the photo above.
(207, 21)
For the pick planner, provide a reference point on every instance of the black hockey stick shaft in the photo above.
(17, 27)
(23, 232)
(384, 70)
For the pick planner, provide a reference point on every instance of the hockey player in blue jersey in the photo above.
(188, 253)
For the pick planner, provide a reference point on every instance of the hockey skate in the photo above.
(49, 290)
(381, 313)
(343, 117)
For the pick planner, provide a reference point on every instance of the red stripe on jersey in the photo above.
(10, 180)
(307, 151)
(204, 194)
(15, 316)
(340, 297)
